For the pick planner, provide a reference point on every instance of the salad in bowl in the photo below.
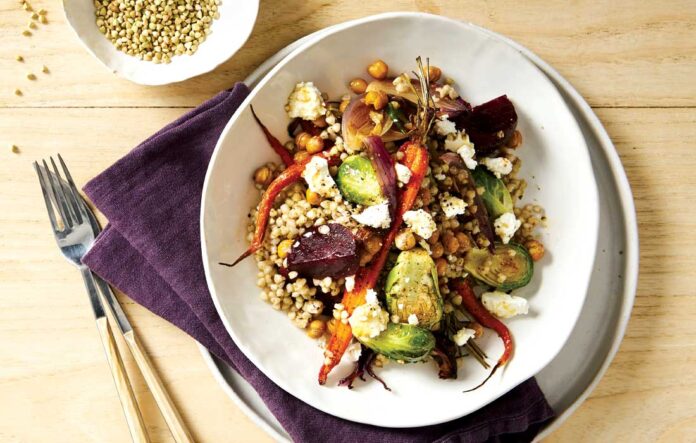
(390, 227)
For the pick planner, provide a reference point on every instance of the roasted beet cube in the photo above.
(324, 251)
(490, 125)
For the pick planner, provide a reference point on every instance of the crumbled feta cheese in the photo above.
(353, 351)
(499, 166)
(317, 176)
(350, 283)
(504, 305)
(368, 320)
(420, 222)
(307, 234)
(376, 216)
(305, 102)
(447, 91)
(463, 335)
(324, 229)
(402, 83)
(456, 140)
(292, 275)
(445, 127)
(506, 225)
(403, 173)
(413, 320)
(452, 206)
(467, 152)
(371, 297)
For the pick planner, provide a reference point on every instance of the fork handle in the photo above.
(136, 425)
(171, 415)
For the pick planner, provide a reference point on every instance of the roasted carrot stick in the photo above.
(416, 159)
(274, 142)
(487, 320)
(290, 175)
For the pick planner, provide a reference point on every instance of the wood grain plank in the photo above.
(51, 353)
(619, 53)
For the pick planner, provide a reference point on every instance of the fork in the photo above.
(74, 235)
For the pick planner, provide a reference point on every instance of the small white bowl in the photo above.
(229, 33)
(555, 162)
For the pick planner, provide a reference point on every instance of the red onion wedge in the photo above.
(384, 166)
(357, 124)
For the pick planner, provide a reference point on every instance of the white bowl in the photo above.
(229, 33)
(556, 163)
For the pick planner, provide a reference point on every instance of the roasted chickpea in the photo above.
(313, 198)
(300, 155)
(434, 73)
(316, 328)
(376, 99)
(301, 140)
(450, 243)
(536, 249)
(464, 242)
(315, 144)
(437, 250)
(373, 243)
(262, 176)
(441, 266)
(283, 248)
(358, 85)
(515, 140)
(378, 69)
(405, 240)
(331, 325)
(434, 237)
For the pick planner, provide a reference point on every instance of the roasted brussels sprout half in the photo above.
(412, 288)
(496, 196)
(357, 181)
(402, 342)
(509, 267)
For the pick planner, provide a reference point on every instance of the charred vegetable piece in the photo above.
(324, 251)
(357, 181)
(496, 196)
(412, 288)
(486, 319)
(358, 124)
(490, 125)
(509, 267)
(402, 342)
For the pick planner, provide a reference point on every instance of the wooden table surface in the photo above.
(634, 61)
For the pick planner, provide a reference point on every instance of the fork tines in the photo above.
(60, 197)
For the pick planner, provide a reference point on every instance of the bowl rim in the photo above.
(593, 231)
(246, 34)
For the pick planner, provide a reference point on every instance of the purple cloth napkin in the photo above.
(151, 251)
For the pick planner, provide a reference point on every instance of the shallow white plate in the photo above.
(230, 32)
(561, 179)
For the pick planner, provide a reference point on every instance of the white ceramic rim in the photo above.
(302, 47)
(242, 41)
(630, 225)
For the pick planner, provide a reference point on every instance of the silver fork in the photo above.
(74, 235)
